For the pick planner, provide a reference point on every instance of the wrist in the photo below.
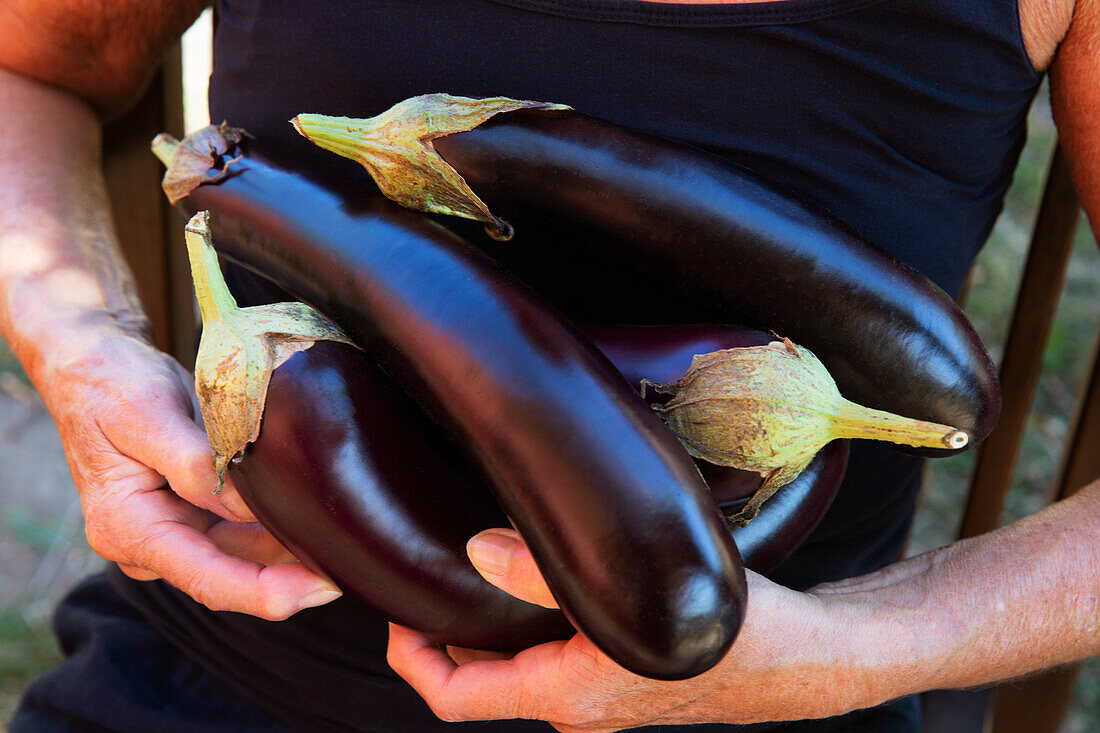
(56, 344)
(60, 293)
(900, 639)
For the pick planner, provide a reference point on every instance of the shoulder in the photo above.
(1075, 101)
(1044, 23)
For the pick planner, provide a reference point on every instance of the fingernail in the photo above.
(491, 551)
(319, 597)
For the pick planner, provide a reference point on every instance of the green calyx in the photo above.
(239, 349)
(396, 149)
(770, 409)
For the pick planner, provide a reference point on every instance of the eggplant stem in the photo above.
(856, 421)
(164, 146)
(396, 149)
(239, 349)
(215, 300)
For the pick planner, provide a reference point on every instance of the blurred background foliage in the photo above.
(45, 538)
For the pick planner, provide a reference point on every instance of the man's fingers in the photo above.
(189, 469)
(245, 541)
(462, 655)
(249, 542)
(503, 559)
(161, 435)
(137, 573)
(480, 690)
(224, 582)
(170, 541)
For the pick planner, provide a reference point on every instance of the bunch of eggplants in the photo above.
(381, 494)
(613, 509)
(361, 485)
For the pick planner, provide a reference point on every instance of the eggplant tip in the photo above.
(198, 224)
(956, 439)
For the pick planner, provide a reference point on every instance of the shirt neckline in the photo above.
(780, 12)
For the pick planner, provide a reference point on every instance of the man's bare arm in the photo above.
(125, 410)
(103, 51)
(1075, 98)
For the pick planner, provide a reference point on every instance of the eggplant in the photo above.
(614, 511)
(361, 486)
(663, 354)
(745, 253)
(718, 242)
(355, 480)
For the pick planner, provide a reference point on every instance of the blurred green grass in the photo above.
(27, 648)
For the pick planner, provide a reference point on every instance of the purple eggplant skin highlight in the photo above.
(736, 251)
(360, 485)
(613, 509)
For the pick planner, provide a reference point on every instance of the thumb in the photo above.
(503, 559)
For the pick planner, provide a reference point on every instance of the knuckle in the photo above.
(97, 536)
(101, 535)
(198, 464)
(195, 581)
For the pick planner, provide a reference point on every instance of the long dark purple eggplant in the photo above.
(613, 509)
(731, 248)
(352, 477)
(355, 479)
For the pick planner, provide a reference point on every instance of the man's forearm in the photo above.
(1020, 599)
(59, 266)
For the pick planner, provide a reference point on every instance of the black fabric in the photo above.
(120, 676)
(903, 118)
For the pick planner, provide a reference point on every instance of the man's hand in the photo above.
(1007, 603)
(145, 474)
(69, 309)
(574, 686)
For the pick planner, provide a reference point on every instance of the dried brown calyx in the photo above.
(204, 156)
(770, 409)
(396, 149)
(239, 349)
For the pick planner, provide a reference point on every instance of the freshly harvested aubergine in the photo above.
(613, 509)
(738, 249)
(355, 479)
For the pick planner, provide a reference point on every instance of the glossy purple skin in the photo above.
(346, 478)
(356, 480)
(613, 509)
(720, 246)
(352, 477)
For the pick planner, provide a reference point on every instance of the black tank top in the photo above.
(904, 118)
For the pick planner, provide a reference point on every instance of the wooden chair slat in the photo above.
(149, 230)
(1036, 302)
